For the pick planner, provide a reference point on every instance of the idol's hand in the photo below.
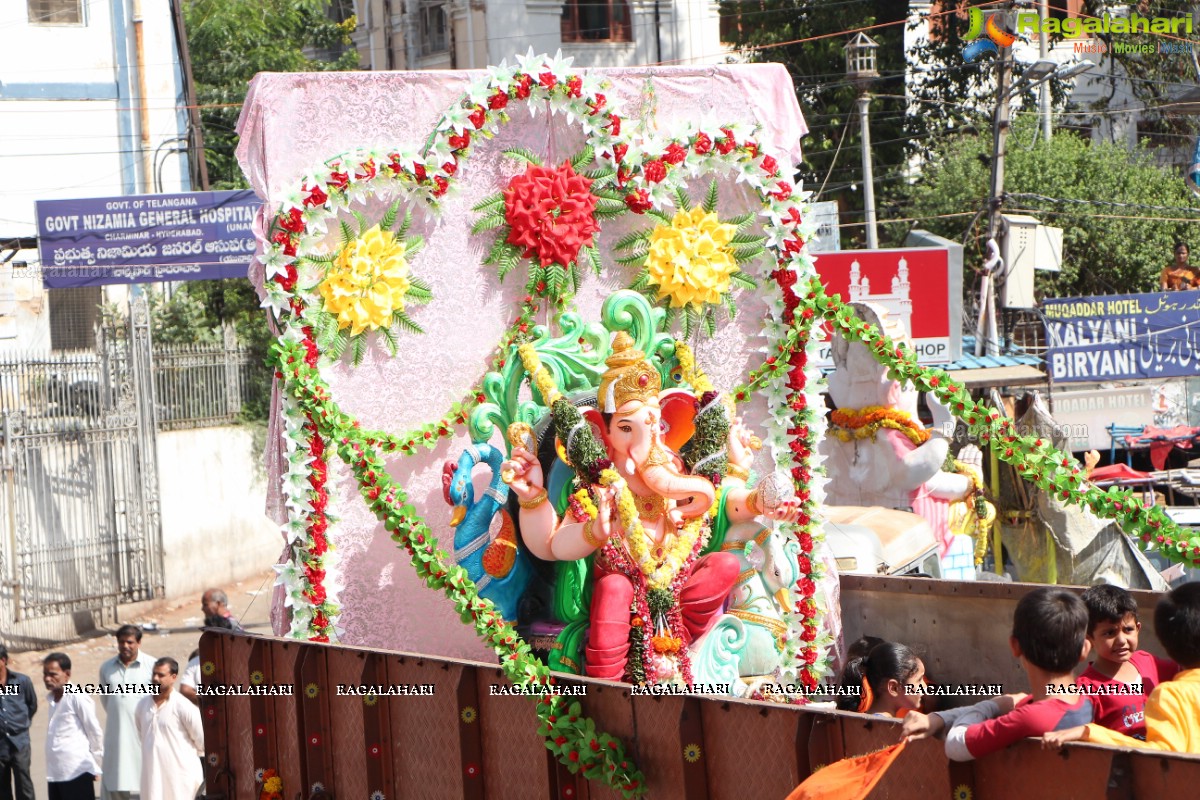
(606, 511)
(787, 512)
(739, 449)
(522, 473)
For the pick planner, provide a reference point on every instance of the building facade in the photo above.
(471, 34)
(92, 103)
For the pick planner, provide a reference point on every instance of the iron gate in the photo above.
(78, 477)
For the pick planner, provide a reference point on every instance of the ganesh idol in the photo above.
(658, 485)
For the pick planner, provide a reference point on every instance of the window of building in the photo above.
(596, 21)
(434, 36)
(731, 23)
(55, 12)
(74, 313)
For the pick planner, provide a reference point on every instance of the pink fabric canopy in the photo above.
(294, 122)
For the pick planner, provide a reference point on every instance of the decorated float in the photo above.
(543, 357)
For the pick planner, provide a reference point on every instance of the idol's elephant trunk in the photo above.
(695, 494)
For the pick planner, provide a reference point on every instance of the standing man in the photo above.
(215, 605)
(172, 739)
(74, 740)
(18, 704)
(122, 749)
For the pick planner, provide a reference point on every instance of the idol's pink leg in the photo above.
(607, 649)
(703, 595)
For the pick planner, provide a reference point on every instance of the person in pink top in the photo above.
(1121, 677)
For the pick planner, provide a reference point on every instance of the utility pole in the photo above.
(196, 161)
(860, 68)
(864, 103)
(987, 332)
(1043, 51)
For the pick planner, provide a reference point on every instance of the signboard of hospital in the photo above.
(1123, 337)
(146, 237)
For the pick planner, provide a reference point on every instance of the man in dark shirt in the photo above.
(18, 704)
(215, 605)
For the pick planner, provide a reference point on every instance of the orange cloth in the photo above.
(848, 779)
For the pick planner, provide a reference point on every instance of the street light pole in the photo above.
(1043, 52)
(987, 332)
(864, 103)
(860, 68)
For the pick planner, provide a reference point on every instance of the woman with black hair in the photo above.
(889, 677)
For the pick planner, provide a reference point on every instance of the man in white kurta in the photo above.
(126, 678)
(74, 740)
(172, 739)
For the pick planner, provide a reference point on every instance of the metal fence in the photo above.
(200, 385)
(79, 479)
(194, 385)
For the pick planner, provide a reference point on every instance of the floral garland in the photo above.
(573, 738)
(659, 571)
(851, 423)
(1037, 460)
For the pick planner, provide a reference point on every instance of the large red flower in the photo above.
(549, 211)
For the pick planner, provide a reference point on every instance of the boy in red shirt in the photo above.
(1049, 638)
(1120, 677)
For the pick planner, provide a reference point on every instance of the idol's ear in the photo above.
(592, 418)
(678, 416)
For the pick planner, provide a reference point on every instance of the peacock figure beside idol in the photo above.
(652, 559)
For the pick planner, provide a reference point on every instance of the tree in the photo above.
(1106, 249)
(767, 28)
(230, 42)
(233, 40)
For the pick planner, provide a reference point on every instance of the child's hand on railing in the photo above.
(1054, 740)
(921, 726)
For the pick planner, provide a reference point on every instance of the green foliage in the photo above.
(230, 41)
(827, 97)
(1100, 254)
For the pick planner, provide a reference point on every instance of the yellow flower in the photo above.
(690, 260)
(273, 786)
(312, 690)
(469, 714)
(208, 668)
(256, 677)
(692, 753)
(367, 282)
(962, 792)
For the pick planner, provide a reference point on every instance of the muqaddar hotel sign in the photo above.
(1123, 337)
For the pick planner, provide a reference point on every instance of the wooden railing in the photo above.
(461, 741)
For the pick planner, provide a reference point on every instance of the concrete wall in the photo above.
(212, 492)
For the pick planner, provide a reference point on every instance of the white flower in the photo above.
(502, 75)
(531, 63)
(276, 299)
